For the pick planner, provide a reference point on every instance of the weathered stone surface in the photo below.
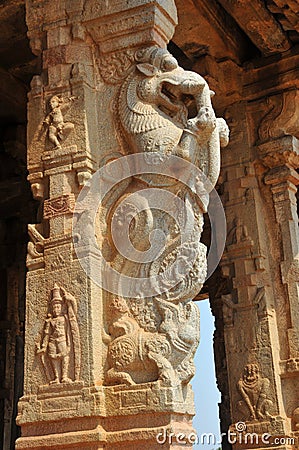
(103, 86)
(140, 346)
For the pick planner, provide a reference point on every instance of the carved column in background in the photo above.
(279, 150)
(104, 371)
(16, 210)
(249, 324)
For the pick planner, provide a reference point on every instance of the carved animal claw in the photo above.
(66, 380)
(121, 377)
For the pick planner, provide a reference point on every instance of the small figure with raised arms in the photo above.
(58, 129)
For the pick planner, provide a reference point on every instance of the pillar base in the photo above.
(68, 416)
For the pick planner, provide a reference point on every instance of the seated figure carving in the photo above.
(255, 393)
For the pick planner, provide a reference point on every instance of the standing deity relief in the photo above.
(60, 348)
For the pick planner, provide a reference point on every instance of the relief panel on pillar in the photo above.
(160, 111)
(59, 348)
(255, 392)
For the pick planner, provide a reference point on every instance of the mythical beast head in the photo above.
(167, 110)
(173, 90)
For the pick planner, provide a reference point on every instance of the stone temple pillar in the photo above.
(256, 295)
(109, 367)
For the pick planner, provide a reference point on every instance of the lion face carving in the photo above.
(159, 99)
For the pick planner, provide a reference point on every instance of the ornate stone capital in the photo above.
(118, 26)
(281, 174)
(281, 118)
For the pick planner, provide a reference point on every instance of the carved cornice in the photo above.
(205, 29)
(282, 117)
(119, 26)
(286, 158)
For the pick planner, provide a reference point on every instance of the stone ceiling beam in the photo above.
(206, 28)
(12, 17)
(259, 24)
(267, 79)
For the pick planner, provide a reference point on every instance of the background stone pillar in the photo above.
(255, 292)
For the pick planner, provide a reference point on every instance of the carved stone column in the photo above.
(250, 336)
(107, 370)
(259, 287)
(283, 180)
(63, 360)
(278, 132)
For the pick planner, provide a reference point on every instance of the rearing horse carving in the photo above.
(161, 110)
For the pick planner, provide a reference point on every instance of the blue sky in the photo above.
(206, 393)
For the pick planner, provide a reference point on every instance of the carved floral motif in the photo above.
(115, 66)
(59, 205)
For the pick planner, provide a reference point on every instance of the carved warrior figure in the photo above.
(58, 129)
(60, 338)
(296, 419)
(255, 392)
(161, 110)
